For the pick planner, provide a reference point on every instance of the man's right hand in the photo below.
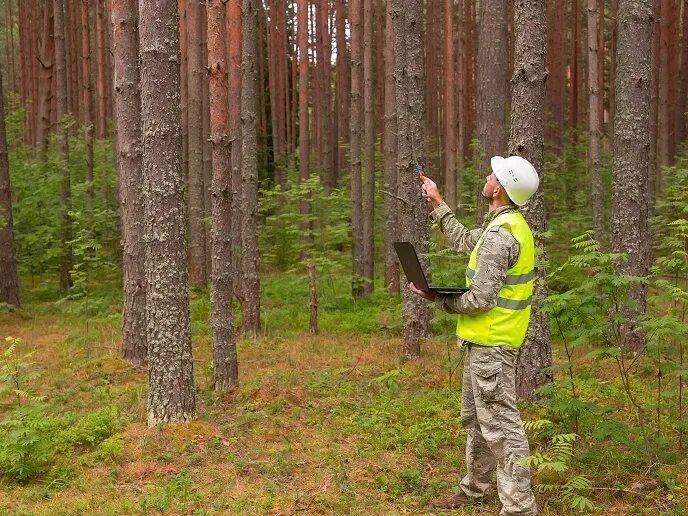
(430, 191)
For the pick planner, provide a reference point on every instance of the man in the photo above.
(492, 323)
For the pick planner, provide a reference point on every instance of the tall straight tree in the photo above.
(325, 119)
(87, 105)
(527, 140)
(46, 62)
(358, 271)
(556, 81)
(277, 76)
(61, 60)
(595, 124)
(225, 366)
(449, 139)
(493, 94)
(9, 280)
(682, 107)
(171, 395)
(9, 48)
(125, 50)
(630, 231)
(389, 144)
(343, 111)
(407, 17)
(196, 72)
(249, 171)
(368, 150)
(101, 65)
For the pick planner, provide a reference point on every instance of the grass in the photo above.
(327, 424)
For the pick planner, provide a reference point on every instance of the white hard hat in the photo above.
(518, 177)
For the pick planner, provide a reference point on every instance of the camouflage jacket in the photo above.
(497, 253)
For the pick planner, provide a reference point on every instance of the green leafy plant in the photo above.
(16, 372)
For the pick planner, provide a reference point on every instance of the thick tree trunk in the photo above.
(630, 232)
(195, 132)
(573, 65)
(87, 105)
(171, 394)
(61, 60)
(389, 145)
(407, 17)
(527, 140)
(225, 365)
(368, 151)
(595, 124)
(249, 160)
(207, 148)
(357, 247)
(9, 279)
(125, 48)
(449, 144)
(493, 91)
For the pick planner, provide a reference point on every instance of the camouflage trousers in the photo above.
(496, 439)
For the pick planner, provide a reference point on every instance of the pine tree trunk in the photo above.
(195, 132)
(355, 139)
(556, 82)
(407, 17)
(368, 151)
(527, 140)
(390, 156)
(682, 107)
(674, 17)
(654, 108)
(225, 364)
(664, 114)
(573, 65)
(24, 65)
(184, 86)
(125, 48)
(207, 147)
(614, 13)
(73, 46)
(249, 161)
(277, 64)
(9, 47)
(46, 59)
(61, 60)
(449, 145)
(326, 129)
(9, 280)
(595, 123)
(87, 105)
(492, 87)
(630, 232)
(171, 394)
(101, 85)
(234, 79)
(343, 80)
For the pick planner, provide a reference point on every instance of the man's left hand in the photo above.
(427, 295)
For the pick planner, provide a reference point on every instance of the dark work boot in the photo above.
(455, 501)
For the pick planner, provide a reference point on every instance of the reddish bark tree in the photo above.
(125, 48)
(343, 111)
(555, 116)
(46, 61)
(595, 126)
(368, 151)
(101, 66)
(449, 140)
(357, 247)
(225, 366)
(87, 105)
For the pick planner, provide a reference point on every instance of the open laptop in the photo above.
(414, 272)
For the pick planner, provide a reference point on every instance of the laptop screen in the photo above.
(411, 265)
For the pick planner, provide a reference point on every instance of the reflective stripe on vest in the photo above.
(506, 323)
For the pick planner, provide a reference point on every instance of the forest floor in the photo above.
(327, 424)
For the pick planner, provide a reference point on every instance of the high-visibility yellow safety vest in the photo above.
(506, 323)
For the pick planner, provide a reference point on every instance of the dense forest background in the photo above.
(193, 190)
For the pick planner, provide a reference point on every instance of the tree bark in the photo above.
(87, 106)
(278, 92)
(46, 60)
(171, 395)
(9, 279)
(556, 82)
(326, 129)
(234, 79)
(527, 140)
(343, 79)
(9, 48)
(573, 65)
(61, 60)
(664, 114)
(312, 300)
(357, 247)
(125, 48)
(390, 156)
(449, 144)
(225, 364)
(195, 120)
(492, 91)
(630, 232)
(407, 17)
(368, 151)
(207, 147)
(682, 107)
(101, 85)
(595, 125)
(249, 159)
(184, 86)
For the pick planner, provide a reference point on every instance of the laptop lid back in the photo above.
(411, 265)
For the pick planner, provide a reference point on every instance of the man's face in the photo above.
(491, 188)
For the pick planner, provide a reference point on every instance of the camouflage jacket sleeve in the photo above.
(497, 253)
(458, 236)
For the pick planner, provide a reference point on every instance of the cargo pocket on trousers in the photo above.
(488, 378)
